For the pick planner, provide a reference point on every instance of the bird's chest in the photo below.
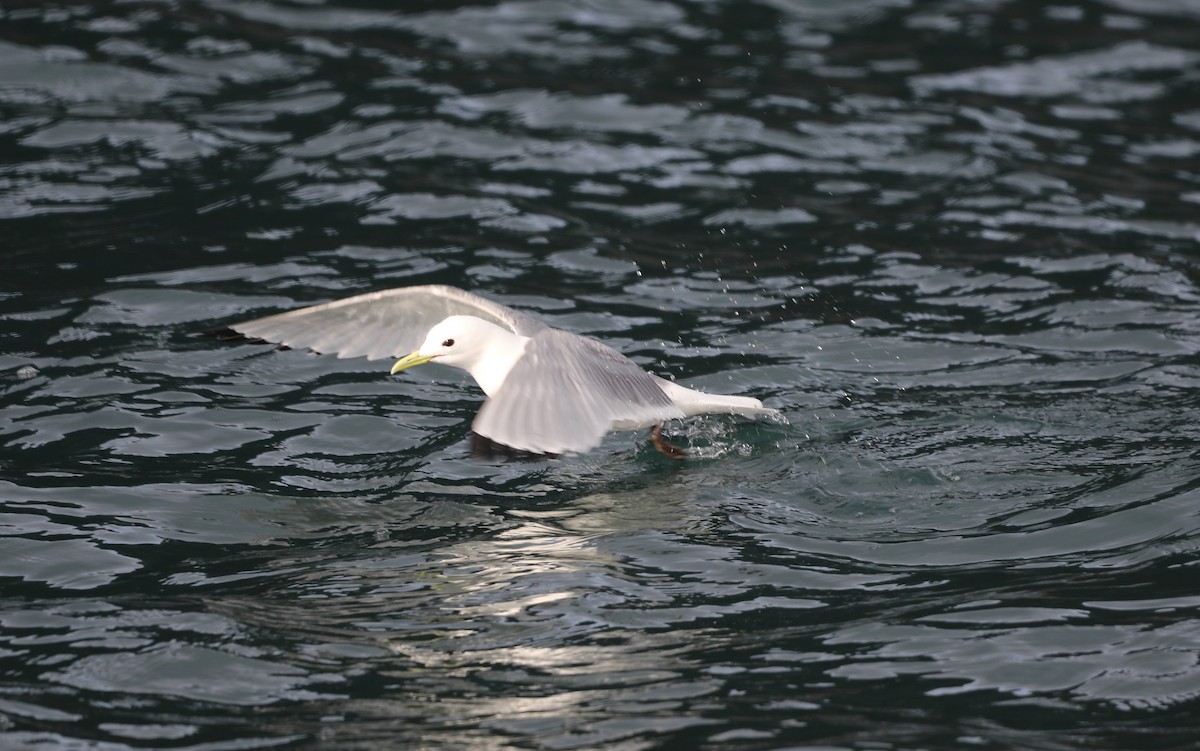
(493, 368)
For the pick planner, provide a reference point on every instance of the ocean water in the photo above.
(955, 243)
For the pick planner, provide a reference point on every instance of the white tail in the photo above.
(693, 402)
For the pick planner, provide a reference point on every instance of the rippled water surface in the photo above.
(954, 242)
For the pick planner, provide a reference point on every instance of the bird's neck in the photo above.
(490, 370)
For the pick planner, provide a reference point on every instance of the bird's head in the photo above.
(459, 341)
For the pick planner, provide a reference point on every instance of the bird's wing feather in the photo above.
(388, 323)
(566, 392)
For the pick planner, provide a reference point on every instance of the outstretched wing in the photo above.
(566, 392)
(388, 323)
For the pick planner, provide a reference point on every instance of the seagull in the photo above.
(549, 392)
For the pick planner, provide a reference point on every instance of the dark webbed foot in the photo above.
(664, 446)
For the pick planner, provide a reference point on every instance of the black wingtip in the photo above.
(232, 336)
(226, 334)
(483, 447)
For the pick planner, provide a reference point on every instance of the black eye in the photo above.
(448, 343)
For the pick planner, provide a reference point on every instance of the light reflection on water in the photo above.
(954, 245)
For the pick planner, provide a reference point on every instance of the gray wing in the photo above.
(388, 323)
(566, 392)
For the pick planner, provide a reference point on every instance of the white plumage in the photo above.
(549, 391)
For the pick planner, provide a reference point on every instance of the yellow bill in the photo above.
(409, 361)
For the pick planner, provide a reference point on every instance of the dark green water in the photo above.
(956, 243)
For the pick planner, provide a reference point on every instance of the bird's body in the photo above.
(549, 391)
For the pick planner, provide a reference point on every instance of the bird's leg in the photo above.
(665, 447)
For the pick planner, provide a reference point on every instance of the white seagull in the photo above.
(549, 391)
